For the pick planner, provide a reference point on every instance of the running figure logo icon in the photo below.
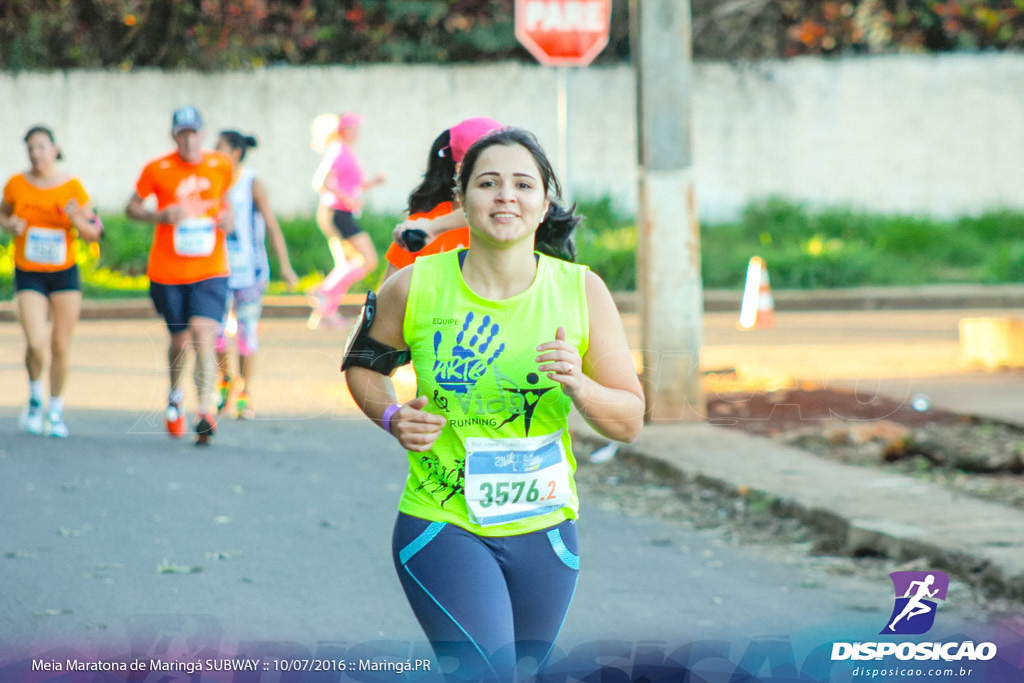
(916, 596)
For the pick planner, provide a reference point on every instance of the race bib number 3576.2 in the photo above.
(513, 479)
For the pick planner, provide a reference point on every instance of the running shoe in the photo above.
(314, 320)
(223, 392)
(31, 419)
(244, 409)
(175, 420)
(335, 321)
(206, 429)
(325, 311)
(317, 299)
(56, 427)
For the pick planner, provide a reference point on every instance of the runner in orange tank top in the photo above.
(46, 209)
(188, 262)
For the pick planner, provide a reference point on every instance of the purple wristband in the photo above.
(385, 419)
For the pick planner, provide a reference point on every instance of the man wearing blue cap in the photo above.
(188, 261)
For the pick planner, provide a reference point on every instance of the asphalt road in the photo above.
(120, 539)
(281, 532)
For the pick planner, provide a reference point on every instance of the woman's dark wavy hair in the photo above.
(554, 236)
(237, 140)
(437, 184)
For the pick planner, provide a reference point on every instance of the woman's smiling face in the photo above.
(505, 199)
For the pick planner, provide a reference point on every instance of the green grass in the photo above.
(804, 249)
(839, 247)
(606, 241)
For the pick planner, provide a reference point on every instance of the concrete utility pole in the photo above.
(668, 252)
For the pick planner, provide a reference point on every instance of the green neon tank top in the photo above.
(475, 360)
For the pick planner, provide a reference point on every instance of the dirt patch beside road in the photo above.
(971, 455)
(839, 425)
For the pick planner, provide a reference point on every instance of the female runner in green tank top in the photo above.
(506, 341)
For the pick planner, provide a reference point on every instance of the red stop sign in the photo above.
(563, 32)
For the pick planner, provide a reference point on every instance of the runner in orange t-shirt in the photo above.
(432, 208)
(188, 261)
(46, 209)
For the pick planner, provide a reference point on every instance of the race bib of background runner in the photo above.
(238, 258)
(195, 237)
(46, 246)
(512, 479)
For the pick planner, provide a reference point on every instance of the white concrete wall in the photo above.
(934, 135)
(907, 134)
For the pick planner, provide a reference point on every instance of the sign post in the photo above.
(563, 33)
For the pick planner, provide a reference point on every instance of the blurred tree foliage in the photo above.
(232, 34)
(750, 29)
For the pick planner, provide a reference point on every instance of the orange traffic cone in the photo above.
(758, 307)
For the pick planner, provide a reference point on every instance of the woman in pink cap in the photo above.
(432, 208)
(340, 181)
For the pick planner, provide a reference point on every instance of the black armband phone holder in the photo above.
(364, 351)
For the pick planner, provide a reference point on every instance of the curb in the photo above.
(856, 511)
(141, 308)
(861, 298)
(715, 301)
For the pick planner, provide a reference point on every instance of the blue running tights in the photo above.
(487, 602)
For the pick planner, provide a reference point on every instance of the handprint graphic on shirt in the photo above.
(468, 359)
